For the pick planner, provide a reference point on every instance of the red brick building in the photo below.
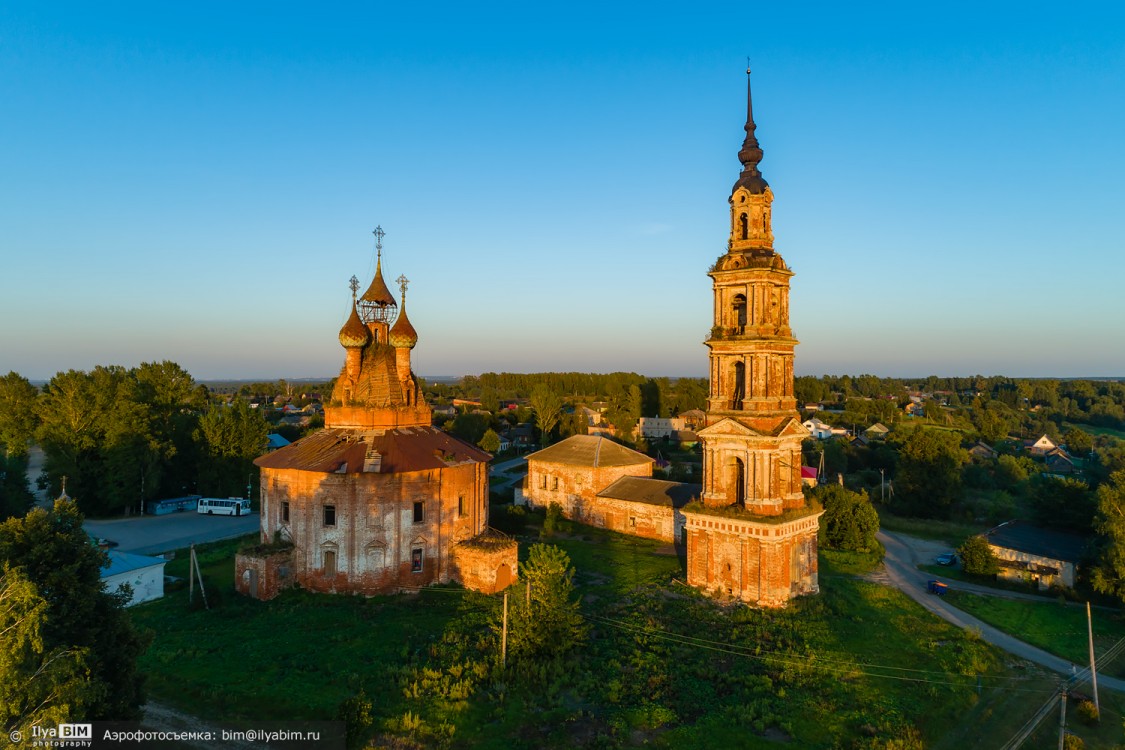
(379, 500)
(752, 537)
(602, 483)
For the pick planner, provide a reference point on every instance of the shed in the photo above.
(1043, 556)
(144, 574)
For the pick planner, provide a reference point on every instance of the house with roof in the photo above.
(144, 575)
(602, 483)
(817, 428)
(1041, 446)
(983, 451)
(1045, 557)
(659, 427)
(1060, 462)
(694, 419)
(877, 431)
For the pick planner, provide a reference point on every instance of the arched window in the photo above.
(739, 391)
(738, 310)
(736, 481)
(745, 225)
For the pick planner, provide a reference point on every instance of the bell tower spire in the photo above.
(751, 153)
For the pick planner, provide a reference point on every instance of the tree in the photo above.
(39, 685)
(977, 557)
(1108, 575)
(15, 495)
(547, 406)
(54, 553)
(849, 522)
(928, 478)
(232, 437)
(1062, 503)
(490, 441)
(546, 625)
(17, 413)
(1078, 442)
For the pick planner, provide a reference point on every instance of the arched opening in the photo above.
(744, 226)
(503, 576)
(739, 391)
(736, 481)
(738, 310)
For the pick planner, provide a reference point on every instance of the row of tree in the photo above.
(123, 436)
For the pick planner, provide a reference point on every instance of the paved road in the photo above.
(498, 480)
(904, 553)
(151, 535)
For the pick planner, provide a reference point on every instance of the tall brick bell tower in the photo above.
(753, 537)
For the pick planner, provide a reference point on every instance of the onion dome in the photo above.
(402, 334)
(354, 334)
(377, 303)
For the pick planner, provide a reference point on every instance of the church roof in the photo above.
(378, 292)
(652, 491)
(589, 450)
(403, 449)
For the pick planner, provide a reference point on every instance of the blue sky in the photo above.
(198, 182)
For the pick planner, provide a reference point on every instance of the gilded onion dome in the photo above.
(402, 335)
(354, 334)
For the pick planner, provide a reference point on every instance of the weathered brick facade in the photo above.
(601, 483)
(752, 537)
(377, 500)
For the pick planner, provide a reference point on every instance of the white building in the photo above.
(144, 574)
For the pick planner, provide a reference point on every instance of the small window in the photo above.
(329, 562)
(285, 511)
(554, 483)
(632, 521)
(329, 515)
(460, 505)
(419, 513)
(416, 560)
(542, 481)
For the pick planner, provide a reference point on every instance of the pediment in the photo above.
(793, 427)
(725, 427)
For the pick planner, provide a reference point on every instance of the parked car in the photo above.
(947, 559)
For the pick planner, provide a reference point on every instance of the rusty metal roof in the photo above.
(401, 450)
(652, 491)
(589, 450)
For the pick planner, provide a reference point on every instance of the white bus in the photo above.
(234, 506)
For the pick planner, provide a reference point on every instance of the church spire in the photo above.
(751, 153)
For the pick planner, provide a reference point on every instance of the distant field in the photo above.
(1119, 434)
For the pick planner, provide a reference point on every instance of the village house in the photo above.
(1044, 557)
(659, 427)
(983, 451)
(1041, 446)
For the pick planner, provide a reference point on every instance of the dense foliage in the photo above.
(53, 575)
(849, 521)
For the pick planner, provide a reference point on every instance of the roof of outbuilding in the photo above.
(589, 450)
(652, 491)
(1026, 537)
(124, 562)
(403, 449)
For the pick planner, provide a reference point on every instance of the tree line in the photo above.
(123, 436)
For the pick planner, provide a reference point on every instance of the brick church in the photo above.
(379, 500)
(749, 532)
(752, 536)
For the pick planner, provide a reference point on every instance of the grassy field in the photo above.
(1120, 435)
(1050, 625)
(859, 666)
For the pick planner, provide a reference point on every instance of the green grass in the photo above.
(860, 665)
(1119, 434)
(950, 532)
(1050, 625)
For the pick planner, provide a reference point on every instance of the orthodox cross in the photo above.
(402, 282)
(379, 235)
(353, 282)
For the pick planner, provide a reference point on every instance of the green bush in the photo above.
(977, 557)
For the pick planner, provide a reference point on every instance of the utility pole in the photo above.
(504, 636)
(1093, 671)
(882, 487)
(1062, 719)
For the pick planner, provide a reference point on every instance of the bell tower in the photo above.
(763, 549)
